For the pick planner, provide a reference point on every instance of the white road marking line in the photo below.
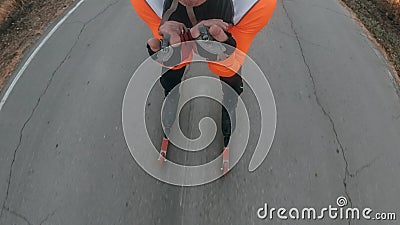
(34, 53)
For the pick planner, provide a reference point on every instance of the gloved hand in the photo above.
(173, 28)
(209, 33)
(217, 28)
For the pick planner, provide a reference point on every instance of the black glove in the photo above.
(209, 49)
(168, 55)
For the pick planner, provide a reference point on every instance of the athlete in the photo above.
(231, 22)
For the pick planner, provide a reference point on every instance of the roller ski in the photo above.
(225, 160)
(163, 151)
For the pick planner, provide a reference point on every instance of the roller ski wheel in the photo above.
(163, 153)
(225, 161)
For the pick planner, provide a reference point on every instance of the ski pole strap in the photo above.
(168, 13)
(192, 16)
(172, 9)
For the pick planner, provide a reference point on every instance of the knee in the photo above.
(170, 79)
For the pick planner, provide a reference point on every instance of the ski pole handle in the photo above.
(166, 50)
(204, 33)
(165, 41)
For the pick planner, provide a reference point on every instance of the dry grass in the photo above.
(388, 8)
(396, 10)
(392, 8)
(9, 8)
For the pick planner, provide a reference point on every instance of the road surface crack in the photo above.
(19, 215)
(47, 217)
(39, 100)
(310, 42)
(30, 117)
(358, 171)
(101, 12)
(325, 112)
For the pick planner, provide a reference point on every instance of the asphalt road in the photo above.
(64, 159)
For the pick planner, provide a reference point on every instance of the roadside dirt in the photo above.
(382, 19)
(22, 22)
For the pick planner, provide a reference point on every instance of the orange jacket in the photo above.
(244, 32)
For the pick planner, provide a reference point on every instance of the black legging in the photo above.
(172, 78)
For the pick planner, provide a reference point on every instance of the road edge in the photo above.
(371, 37)
(34, 49)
